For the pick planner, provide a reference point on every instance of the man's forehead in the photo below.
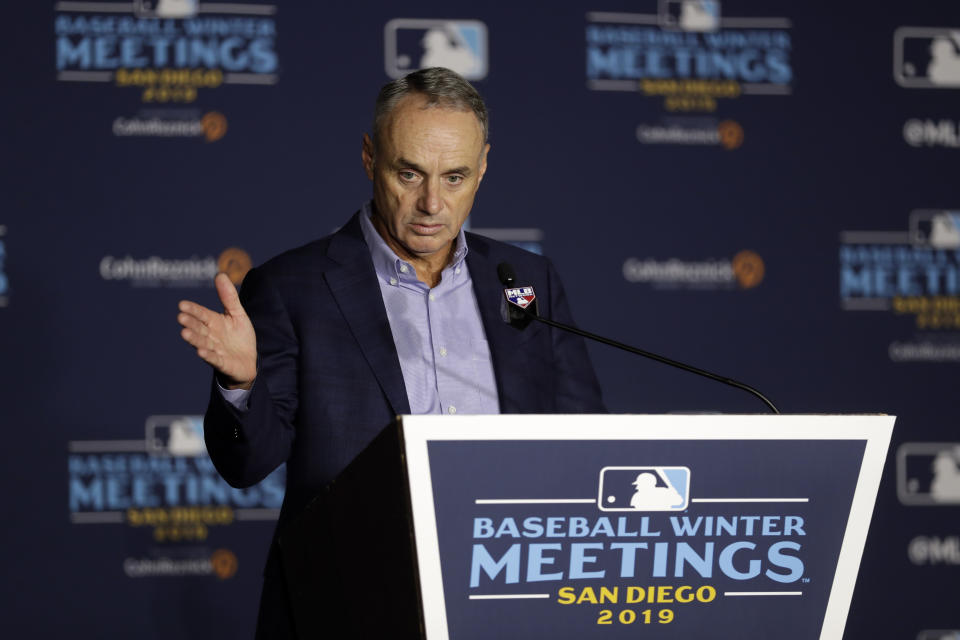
(415, 111)
(449, 143)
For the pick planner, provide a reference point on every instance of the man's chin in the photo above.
(423, 247)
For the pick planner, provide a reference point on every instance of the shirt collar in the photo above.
(386, 262)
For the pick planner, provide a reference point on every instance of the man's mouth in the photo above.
(426, 229)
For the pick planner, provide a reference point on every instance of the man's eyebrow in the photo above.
(403, 162)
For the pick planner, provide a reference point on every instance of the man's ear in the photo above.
(483, 162)
(367, 155)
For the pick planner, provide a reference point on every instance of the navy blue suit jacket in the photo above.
(329, 378)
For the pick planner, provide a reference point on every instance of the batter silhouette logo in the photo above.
(459, 45)
(165, 8)
(690, 15)
(928, 473)
(927, 57)
(644, 489)
(175, 436)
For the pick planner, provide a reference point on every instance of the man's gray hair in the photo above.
(440, 86)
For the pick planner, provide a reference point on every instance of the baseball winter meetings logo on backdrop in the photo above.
(914, 274)
(170, 56)
(165, 486)
(689, 58)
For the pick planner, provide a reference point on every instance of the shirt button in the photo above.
(451, 409)
(443, 351)
(457, 270)
(393, 281)
(403, 268)
(432, 297)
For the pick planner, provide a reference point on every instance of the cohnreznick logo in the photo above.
(745, 270)
(692, 132)
(188, 123)
(195, 271)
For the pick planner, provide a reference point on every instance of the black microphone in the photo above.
(516, 310)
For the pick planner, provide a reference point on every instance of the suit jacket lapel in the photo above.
(506, 342)
(354, 287)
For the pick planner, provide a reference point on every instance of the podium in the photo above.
(591, 526)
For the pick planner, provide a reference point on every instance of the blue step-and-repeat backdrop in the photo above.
(765, 189)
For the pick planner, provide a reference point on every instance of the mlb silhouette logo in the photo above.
(938, 229)
(458, 45)
(521, 296)
(644, 489)
(928, 473)
(179, 436)
(690, 15)
(166, 8)
(926, 57)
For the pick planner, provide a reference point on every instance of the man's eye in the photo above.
(454, 179)
(408, 176)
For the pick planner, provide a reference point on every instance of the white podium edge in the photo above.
(417, 431)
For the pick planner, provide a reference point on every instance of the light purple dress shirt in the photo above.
(438, 333)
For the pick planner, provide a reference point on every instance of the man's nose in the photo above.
(430, 200)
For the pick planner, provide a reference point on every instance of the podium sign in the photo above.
(577, 527)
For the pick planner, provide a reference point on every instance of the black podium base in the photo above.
(349, 558)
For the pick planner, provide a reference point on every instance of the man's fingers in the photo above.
(198, 340)
(206, 347)
(198, 311)
(228, 295)
(191, 322)
(225, 341)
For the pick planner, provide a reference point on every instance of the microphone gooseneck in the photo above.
(508, 278)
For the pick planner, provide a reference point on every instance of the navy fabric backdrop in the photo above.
(765, 189)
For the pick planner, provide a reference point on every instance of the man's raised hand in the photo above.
(225, 340)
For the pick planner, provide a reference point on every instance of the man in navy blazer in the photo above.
(308, 369)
